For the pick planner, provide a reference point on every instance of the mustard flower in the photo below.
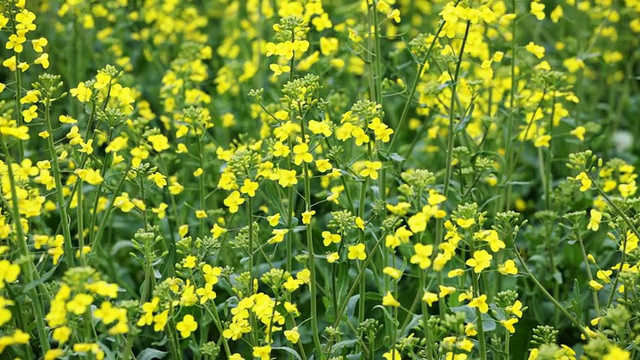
(422, 255)
(328, 238)
(430, 298)
(187, 326)
(233, 201)
(392, 354)
(480, 302)
(389, 300)
(480, 261)
(508, 268)
(594, 221)
(537, 9)
(371, 169)
(249, 187)
(357, 252)
(306, 216)
(292, 335)
(262, 352)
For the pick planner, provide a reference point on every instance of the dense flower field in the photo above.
(336, 179)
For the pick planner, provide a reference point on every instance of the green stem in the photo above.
(64, 218)
(505, 200)
(589, 275)
(450, 136)
(421, 65)
(475, 278)
(312, 267)
(631, 227)
(425, 317)
(80, 221)
(250, 216)
(555, 302)
(218, 323)
(96, 202)
(201, 179)
(30, 272)
(362, 287)
(312, 256)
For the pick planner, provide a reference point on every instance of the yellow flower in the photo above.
(39, 44)
(206, 293)
(515, 309)
(508, 268)
(480, 261)
(470, 329)
(537, 9)
(536, 50)
(333, 257)
(159, 142)
(393, 272)
(508, 324)
(357, 252)
(585, 182)
(190, 262)
(604, 275)
(446, 290)
(42, 60)
(422, 255)
(160, 320)
(430, 298)
(328, 238)
(480, 303)
(187, 326)
(302, 154)
(389, 300)
(249, 187)
(595, 285)
(233, 201)
(579, 132)
(287, 178)
(306, 216)
(323, 165)
(392, 354)
(371, 169)
(556, 14)
(278, 236)
(279, 69)
(616, 353)
(159, 179)
(542, 141)
(262, 352)
(465, 223)
(61, 334)
(30, 113)
(292, 335)
(594, 221)
(82, 92)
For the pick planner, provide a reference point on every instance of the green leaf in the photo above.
(289, 350)
(351, 304)
(39, 281)
(148, 354)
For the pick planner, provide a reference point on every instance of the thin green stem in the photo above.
(505, 200)
(631, 227)
(475, 278)
(30, 272)
(64, 218)
(201, 189)
(218, 323)
(251, 251)
(544, 291)
(594, 293)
